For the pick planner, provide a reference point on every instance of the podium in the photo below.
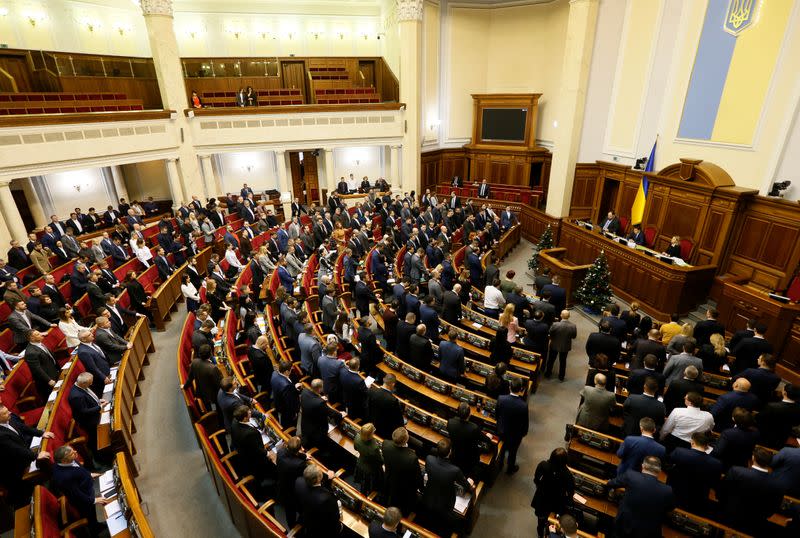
(571, 274)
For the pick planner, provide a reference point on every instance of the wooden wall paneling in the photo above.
(584, 186)
(534, 222)
(778, 245)
(15, 74)
(626, 197)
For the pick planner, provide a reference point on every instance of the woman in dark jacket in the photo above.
(496, 383)
(466, 287)
(601, 367)
(138, 296)
(499, 347)
(554, 488)
(369, 466)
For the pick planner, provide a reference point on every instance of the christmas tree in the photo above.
(545, 242)
(595, 290)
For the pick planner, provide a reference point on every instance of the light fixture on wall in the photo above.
(290, 35)
(364, 35)
(357, 162)
(35, 18)
(235, 31)
(123, 28)
(77, 187)
(3, 11)
(248, 167)
(316, 34)
(91, 25)
(340, 34)
(434, 124)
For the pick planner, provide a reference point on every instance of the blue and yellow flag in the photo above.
(637, 211)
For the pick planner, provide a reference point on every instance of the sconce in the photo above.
(340, 34)
(248, 167)
(35, 18)
(3, 11)
(290, 35)
(315, 34)
(91, 25)
(235, 32)
(434, 124)
(365, 35)
(123, 28)
(357, 162)
(77, 187)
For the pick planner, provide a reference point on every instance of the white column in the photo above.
(10, 213)
(167, 63)
(119, 183)
(211, 183)
(571, 101)
(174, 177)
(409, 17)
(394, 167)
(330, 178)
(283, 182)
(35, 205)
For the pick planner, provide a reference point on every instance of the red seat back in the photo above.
(686, 248)
(793, 292)
(623, 225)
(650, 236)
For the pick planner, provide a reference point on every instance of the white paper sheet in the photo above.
(36, 442)
(462, 503)
(368, 381)
(66, 365)
(116, 524)
(58, 384)
(105, 418)
(106, 481)
(112, 509)
(52, 397)
(476, 325)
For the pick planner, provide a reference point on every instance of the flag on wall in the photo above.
(637, 211)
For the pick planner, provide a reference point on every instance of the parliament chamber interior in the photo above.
(399, 268)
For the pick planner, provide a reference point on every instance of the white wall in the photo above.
(370, 162)
(148, 178)
(789, 168)
(66, 196)
(256, 168)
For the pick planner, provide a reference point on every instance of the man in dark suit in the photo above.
(451, 358)
(363, 296)
(403, 473)
(314, 416)
(405, 328)
(512, 423)
(635, 448)
(285, 395)
(17, 257)
(740, 396)
(260, 363)
(618, 326)
(603, 342)
(776, 419)
(94, 361)
(638, 376)
(76, 483)
(537, 333)
(50, 288)
(430, 318)
(439, 495)
(384, 409)
(786, 466)
(748, 332)
(610, 223)
(679, 388)
(86, 408)
(371, 352)
(329, 367)
(42, 364)
(748, 496)
(649, 346)
(165, 269)
(253, 457)
(763, 380)
(290, 463)
(203, 336)
(205, 375)
(354, 390)
(389, 526)
(748, 350)
(22, 321)
(562, 333)
(16, 455)
(320, 513)
(693, 474)
(704, 329)
(420, 350)
(636, 235)
(484, 191)
(96, 296)
(646, 502)
(78, 280)
(465, 437)
(451, 305)
(638, 406)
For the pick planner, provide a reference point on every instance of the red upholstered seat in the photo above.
(794, 289)
(650, 236)
(686, 248)
(20, 394)
(623, 225)
(49, 510)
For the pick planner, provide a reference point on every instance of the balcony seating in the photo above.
(65, 103)
(265, 98)
(339, 96)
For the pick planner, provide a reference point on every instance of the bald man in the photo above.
(740, 396)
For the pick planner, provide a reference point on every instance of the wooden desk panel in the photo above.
(662, 289)
(571, 275)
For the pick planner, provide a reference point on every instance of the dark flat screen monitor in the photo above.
(503, 124)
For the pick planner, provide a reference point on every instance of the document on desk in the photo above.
(116, 522)
(113, 375)
(476, 325)
(106, 481)
(462, 503)
(578, 498)
(58, 384)
(52, 397)
(36, 442)
(112, 509)
(368, 381)
(105, 418)
(66, 365)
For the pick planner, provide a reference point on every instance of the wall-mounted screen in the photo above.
(503, 124)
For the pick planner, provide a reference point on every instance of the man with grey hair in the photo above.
(86, 408)
(562, 333)
(646, 502)
(320, 511)
(112, 344)
(78, 485)
(598, 404)
(94, 361)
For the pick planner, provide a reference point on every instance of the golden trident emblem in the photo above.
(739, 16)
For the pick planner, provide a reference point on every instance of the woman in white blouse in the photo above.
(69, 326)
(232, 259)
(190, 293)
(143, 253)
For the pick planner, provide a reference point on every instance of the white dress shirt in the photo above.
(684, 421)
(493, 298)
(144, 255)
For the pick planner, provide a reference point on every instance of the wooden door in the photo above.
(294, 77)
(367, 68)
(14, 74)
(305, 177)
(24, 209)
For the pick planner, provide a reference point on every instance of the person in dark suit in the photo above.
(646, 502)
(389, 527)
(320, 514)
(679, 388)
(363, 296)
(451, 358)
(430, 318)
(537, 333)
(451, 305)
(403, 473)
(50, 288)
(205, 375)
(329, 367)
(763, 380)
(651, 345)
(285, 396)
(635, 448)
(512, 423)
(405, 328)
(735, 444)
(96, 296)
(42, 364)
(229, 398)
(86, 408)
(484, 191)
(17, 257)
(786, 466)
(776, 419)
(439, 495)
(603, 342)
(203, 335)
(740, 396)
(16, 455)
(748, 496)
(638, 376)
(314, 416)
(711, 325)
(748, 332)
(76, 483)
(465, 437)
(22, 321)
(643, 405)
(693, 474)
(610, 223)
(354, 390)
(290, 463)
(261, 363)
(618, 326)
(384, 409)
(253, 457)
(554, 488)
(371, 352)
(636, 235)
(748, 350)
(420, 350)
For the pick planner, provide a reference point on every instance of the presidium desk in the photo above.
(659, 287)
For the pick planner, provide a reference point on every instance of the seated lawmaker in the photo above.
(611, 223)
(636, 235)
(674, 248)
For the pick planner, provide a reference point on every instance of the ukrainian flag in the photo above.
(637, 211)
(736, 58)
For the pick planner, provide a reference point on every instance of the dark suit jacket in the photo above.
(403, 475)
(15, 448)
(96, 296)
(227, 404)
(376, 530)
(619, 327)
(451, 307)
(55, 295)
(763, 383)
(645, 505)
(97, 364)
(693, 474)
(319, 509)
(440, 490)
(85, 410)
(725, 405)
(451, 359)
(747, 352)
(262, 367)
(371, 352)
(464, 436)
(512, 417)
(634, 449)
(603, 343)
(354, 393)
(611, 226)
(43, 368)
(643, 347)
(705, 328)
(558, 297)
(314, 419)
(735, 446)
(420, 351)
(329, 368)
(738, 336)
(252, 454)
(404, 332)
(748, 497)
(284, 396)
(207, 378)
(678, 389)
(537, 333)
(20, 328)
(76, 484)
(384, 411)
(289, 468)
(775, 422)
(637, 378)
(638, 406)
